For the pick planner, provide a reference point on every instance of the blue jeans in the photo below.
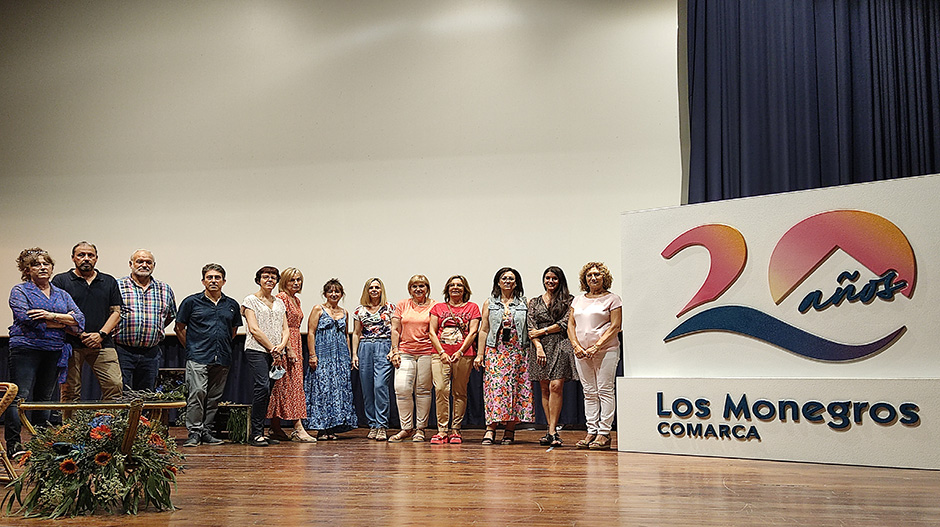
(259, 364)
(139, 366)
(375, 372)
(34, 372)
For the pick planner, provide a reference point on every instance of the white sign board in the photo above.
(823, 300)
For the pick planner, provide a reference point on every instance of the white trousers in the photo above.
(598, 374)
(413, 377)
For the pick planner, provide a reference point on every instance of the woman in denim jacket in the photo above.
(503, 345)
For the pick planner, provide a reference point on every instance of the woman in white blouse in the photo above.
(593, 326)
(265, 344)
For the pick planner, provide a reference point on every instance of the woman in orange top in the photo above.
(411, 354)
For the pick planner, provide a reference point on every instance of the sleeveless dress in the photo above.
(507, 393)
(287, 394)
(329, 388)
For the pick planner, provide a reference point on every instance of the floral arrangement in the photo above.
(78, 468)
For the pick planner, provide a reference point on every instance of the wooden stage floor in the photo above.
(353, 481)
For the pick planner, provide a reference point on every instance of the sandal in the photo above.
(381, 434)
(297, 438)
(586, 442)
(489, 437)
(601, 443)
(556, 440)
(454, 438)
(509, 437)
(546, 440)
(400, 436)
(419, 436)
(439, 439)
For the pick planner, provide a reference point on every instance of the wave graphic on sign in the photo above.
(750, 322)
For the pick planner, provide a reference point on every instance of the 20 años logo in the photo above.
(870, 239)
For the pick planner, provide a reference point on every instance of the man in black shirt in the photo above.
(97, 295)
(205, 325)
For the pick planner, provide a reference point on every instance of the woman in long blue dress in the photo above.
(327, 384)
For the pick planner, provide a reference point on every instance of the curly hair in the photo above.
(28, 257)
(605, 272)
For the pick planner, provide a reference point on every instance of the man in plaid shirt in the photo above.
(149, 307)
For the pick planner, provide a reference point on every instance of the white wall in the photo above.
(349, 139)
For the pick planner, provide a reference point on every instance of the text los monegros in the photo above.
(837, 415)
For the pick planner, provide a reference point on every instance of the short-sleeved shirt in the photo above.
(145, 313)
(592, 318)
(453, 324)
(376, 325)
(34, 334)
(415, 324)
(209, 328)
(94, 300)
(270, 321)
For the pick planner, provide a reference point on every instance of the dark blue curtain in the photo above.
(238, 388)
(798, 94)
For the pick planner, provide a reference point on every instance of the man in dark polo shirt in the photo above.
(97, 295)
(205, 325)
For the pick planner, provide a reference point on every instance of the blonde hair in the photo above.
(286, 276)
(418, 278)
(605, 272)
(366, 300)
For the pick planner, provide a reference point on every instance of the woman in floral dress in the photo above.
(503, 345)
(287, 394)
(328, 384)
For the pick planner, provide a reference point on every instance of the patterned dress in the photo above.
(507, 392)
(559, 354)
(287, 394)
(329, 388)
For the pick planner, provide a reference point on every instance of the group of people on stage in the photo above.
(84, 315)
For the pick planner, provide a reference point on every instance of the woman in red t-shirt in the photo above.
(454, 326)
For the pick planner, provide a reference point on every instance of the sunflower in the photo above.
(102, 458)
(68, 466)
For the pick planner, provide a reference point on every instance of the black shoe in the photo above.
(556, 440)
(192, 440)
(258, 441)
(209, 439)
(272, 441)
(546, 440)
